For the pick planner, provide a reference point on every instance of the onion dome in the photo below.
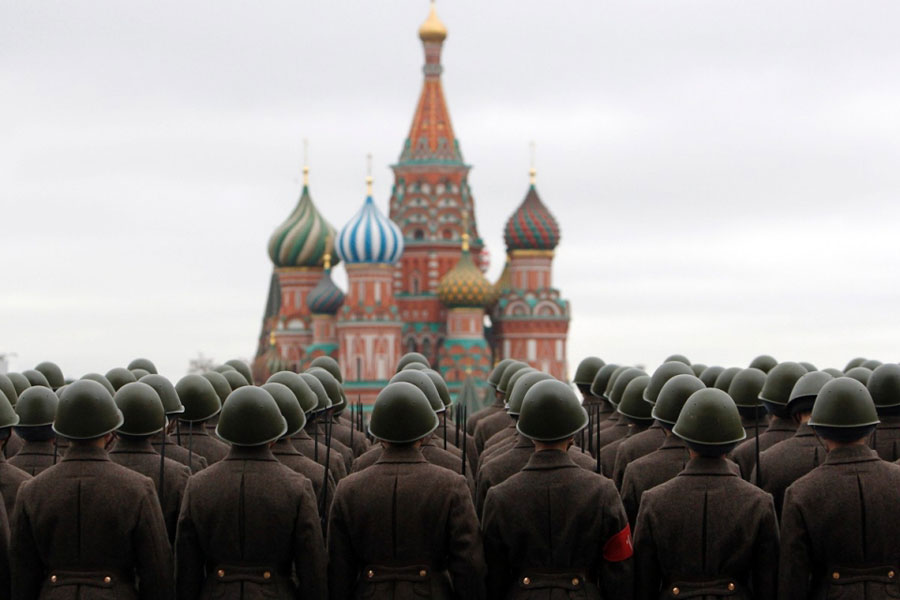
(370, 237)
(531, 227)
(325, 298)
(432, 30)
(304, 237)
(465, 286)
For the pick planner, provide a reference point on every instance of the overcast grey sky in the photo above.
(725, 173)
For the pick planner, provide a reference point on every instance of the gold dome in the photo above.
(464, 286)
(432, 30)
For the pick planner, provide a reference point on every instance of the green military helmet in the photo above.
(242, 368)
(251, 417)
(497, 372)
(764, 363)
(330, 365)
(235, 379)
(622, 381)
(20, 382)
(586, 371)
(884, 386)
(611, 382)
(288, 405)
(331, 385)
(86, 411)
(52, 373)
(441, 385)
(119, 376)
(414, 366)
(855, 362)
(844, 410)
(145, 364)
(872, 364)
(805, 391)
(323, 402)
(661, 375)
(511, 384)
(508, 372)
(59, 391)
(37, 407)
(141, 408)
(521, 387)
(834, 372)
(102, 380)
(166, 391)
(219, 383)
(424, 383)
(8, 416)
(746, 386)
(698, 368)
(678, 358)
(551, 412)
(861, 374)
(198, 397)
(138, 373)
(633, 404)
(780, 382)
(808, 366)
(8, 389)
(601, 380)
(35, 378)
(710, 374)
(672, 397)
(709, 422)
(723, 381)
(302, 392)
(402, 414)
(412, 357)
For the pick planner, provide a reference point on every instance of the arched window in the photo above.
(418, 234)
(426, 347)
(411, 345)
(414, 285)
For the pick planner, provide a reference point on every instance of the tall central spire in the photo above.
(431, 137)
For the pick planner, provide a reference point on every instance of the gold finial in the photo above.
(432, 30)
(326, 259)
(532, 172)
(305, 162)
(369, 174)
(465, 228)
(272, 338)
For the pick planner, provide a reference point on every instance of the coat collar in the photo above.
(523, 442)
(549, 459)
(44, 447)
(78, 452)
(805, 430)
(262, 453)
(301, 435)
(889, 422)
(781, 424)
(284, 447)
(703, 465)
(851, 454)
(194, 429)
(673, 442)
(132, 446)
(400, 454)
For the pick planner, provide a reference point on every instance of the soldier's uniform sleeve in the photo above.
(616, 568)
(482, 486)
(495, 551)
(153, 553)
(25, 561)
(343, 565)
(329, 498)
(796, 556)
(310, 562)
(765, 554)
(630, 500)
(189, 569)
(5, 583)
(618, 474)
(466, 553)
(646, 561)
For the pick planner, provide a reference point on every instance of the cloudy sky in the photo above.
(725, 173)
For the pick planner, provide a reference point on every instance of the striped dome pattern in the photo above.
(302, 240)
(370, 237)
(326, 298)
(464, 286)
(531, 227)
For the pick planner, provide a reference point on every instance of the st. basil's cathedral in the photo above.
(416, 276)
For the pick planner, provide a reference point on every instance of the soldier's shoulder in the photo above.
(10, 472)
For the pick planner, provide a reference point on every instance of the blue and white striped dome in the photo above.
(370, 237)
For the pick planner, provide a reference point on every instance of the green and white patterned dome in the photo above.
(305, 236)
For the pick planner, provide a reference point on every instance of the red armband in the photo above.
(619, 547)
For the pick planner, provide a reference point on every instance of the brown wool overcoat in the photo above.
(36, 457)
(345, 434)
(786, 462)
(840, 529)
(198, 440)
(636, 446)
(610, 451)
(610, 433)
(195, 462)
(706, 529)
(10, 479)
(317, 452)
(139, 455)
(745, 454)
(433, 453)
(489, 426)
(474, 419)
(886, 438)
(288, 455)
(343, 451)
(248, 524)
(5, 577)
(84, 520)
(404, 528)
(561, 528)
(13, 444)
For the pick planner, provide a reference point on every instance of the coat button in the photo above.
(891, 574)
(107, 579)
(220, 573)
(675, 591)
(526, 581)
(370, 574)
(575, 581)
(267, 575)
(423, 573)
(53, 579)
(835, 575)
(730, 587)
